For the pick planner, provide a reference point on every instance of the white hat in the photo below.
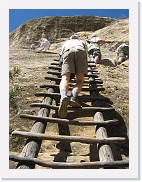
(74, 36)
(93, 35)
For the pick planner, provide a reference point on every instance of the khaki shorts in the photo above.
(74, 61)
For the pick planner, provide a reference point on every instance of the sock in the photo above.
(74, 92)
(63, 93)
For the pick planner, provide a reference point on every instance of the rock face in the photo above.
(55, 27)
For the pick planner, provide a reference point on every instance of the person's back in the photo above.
(73, 52)
(93, 43)
(44, 44)
(72, 43)
(93, 46)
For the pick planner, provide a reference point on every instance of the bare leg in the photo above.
(79, 83)
(120, 60)
(64, 101)
(64, 84)
(76, 90)
(96, 59)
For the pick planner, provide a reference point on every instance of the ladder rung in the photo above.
(59, 68)
(71, 122)
(55, 63)
(41, 136)
(57, 95)
(97, 109)
(122, 163)
(59, 73)
(73, 80)
(98, 81)
(70, 88)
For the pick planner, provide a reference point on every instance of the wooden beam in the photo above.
(73, 80)
(71, 87)
(98, 81)
(66, 121)
(54, 63)
(59, 67)
(83, 165)
(57, 60)
(85, 98)
(41, 136)
(42, 105)
(59, 73)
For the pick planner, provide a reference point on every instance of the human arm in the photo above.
(104, 41)
(60, 60)
(49, 45)
(60, 55)
(99, 40)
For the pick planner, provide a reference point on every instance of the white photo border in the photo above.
(133, 172)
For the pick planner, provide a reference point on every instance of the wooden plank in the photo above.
(57, 60)
(92, 71)
(71, 87)
(45, 94)
(59, 68)
(71, 122)
(74, 83)
(54, 67)
(85, 98)
(54, 63)
(59, 73)
(73, 80)
(42, 105)
(41, 136)
(98, 81)
(83, 165)
(54, 73)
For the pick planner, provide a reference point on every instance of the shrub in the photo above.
(13, 93)
(14, 72)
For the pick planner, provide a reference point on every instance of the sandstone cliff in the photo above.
(55, 28)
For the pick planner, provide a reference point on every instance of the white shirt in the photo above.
(44, 43)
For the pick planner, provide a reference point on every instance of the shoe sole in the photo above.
(62, 112)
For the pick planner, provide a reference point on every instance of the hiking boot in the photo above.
(62, 112)
(74, 103)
